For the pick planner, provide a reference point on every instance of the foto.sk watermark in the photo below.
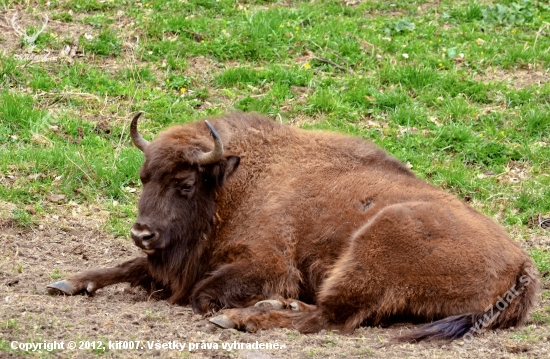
(493, 311)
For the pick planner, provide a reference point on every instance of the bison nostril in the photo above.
(142, 235)
(147, 237)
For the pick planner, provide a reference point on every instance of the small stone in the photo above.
(56, 198)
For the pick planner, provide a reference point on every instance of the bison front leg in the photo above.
(134, 271)
(243, 284)
(228, 287)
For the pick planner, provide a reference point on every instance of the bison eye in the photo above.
(186, 187)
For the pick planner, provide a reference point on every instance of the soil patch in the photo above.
(34, 257)
(518, 79)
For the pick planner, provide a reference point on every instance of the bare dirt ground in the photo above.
(72, 240)
(517, 79)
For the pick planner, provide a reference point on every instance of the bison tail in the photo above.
(510, 309)
(449, 328)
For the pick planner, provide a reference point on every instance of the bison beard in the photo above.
(280, 227)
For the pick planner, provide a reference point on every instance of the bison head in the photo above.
(180, 179)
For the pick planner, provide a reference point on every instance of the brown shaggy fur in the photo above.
(318, 217)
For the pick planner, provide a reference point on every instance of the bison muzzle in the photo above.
(281, 227)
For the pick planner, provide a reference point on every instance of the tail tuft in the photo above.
(449, 328)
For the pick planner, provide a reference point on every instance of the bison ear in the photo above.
(232, 162)
(218, 173)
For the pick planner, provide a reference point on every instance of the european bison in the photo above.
(310, 230)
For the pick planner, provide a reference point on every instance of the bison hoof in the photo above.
(223, 321)
(64, 287)
(294, 306)
(251, 328)
(269, 303)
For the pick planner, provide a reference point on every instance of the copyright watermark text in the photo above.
(99, 345)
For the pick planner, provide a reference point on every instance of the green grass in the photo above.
(10, 323)
(106, 43)
(542, 259)
(459, 90)
(57, 274)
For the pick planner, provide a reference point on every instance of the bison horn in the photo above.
(139, 141)
(216, 154)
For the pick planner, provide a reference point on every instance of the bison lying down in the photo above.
(264, 218)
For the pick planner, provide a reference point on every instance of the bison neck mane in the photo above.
(184, 262)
